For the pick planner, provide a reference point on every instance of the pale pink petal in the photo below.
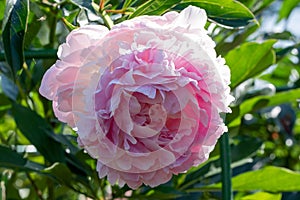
(144, 97)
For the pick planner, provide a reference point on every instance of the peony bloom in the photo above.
(145, 97)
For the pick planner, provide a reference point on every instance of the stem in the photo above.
(50, 189)
(52, 31)
(38, 54)
(2, 190)
(225, 165)
(101, 4)
(38, 192)
(102, 189)
(107, 20)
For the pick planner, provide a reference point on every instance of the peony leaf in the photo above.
(128, 3)
(14, 28)
(2, 9)
(259, 102)
(156, 7)
(272, 179)
(287, 8)
(12, 159)
(246, 148)
(262, 195)
(249, 59)
(60, 172)
(9, 88)
(225, 12)
(38, 132)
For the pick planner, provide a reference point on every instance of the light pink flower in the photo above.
(144, 97)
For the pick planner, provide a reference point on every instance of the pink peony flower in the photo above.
(144, 97)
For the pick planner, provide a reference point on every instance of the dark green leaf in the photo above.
(9, 88)
(285, 35)
(155, 7)
(249, 59)
(12, 159)
(226, 12)
(164, 193)
(5, 104)
(196, 174)
(280, 53)
(14, 28)
(37, 132)
(246, 147)
(224, 47)
(60, 172)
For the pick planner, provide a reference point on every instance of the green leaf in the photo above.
(224, 47)
(60, 172)
(286, 8)
(260, 5)
(196, 174)
(4, 105)
(262, 196)
(38, 132)
(128, 3)
(281, 53)
(162, 192)
(12, 159)
(249, 59)
(14, 28)
(285, 35)
(225, 12)
(2, 9)
(271, 179)
(280, 76)
(256, 103)
(155, 7)
(246, 147)
(8, 87)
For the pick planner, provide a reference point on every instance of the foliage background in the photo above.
(39, 157)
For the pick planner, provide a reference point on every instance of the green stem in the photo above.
(52, 32)
(38, 54)
(51, 195)
(107, 20)
(36, 189)
(226, 169)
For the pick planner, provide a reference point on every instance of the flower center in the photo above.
(149, 117)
